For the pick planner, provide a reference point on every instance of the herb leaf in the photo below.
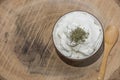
(78, 35)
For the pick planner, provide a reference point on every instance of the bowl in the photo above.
(71, 45)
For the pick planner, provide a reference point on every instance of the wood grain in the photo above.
(115, 75)
(26, 46)
(1, 78)
(118, 2)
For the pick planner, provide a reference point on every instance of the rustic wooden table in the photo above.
(26, 46)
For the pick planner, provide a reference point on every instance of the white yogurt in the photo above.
(71, 21)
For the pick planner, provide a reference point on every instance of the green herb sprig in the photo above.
(78, 35)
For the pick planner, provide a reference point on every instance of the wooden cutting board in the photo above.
(26, 46)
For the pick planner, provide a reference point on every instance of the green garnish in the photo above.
(78, 35)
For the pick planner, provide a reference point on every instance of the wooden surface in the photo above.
(26, 46)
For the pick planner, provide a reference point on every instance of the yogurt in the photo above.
(70, 22)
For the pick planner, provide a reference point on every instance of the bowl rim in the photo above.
(102, 42)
